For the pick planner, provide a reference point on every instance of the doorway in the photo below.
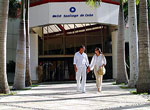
(59, 43)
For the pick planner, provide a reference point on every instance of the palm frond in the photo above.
(93, 3)
(137, 2)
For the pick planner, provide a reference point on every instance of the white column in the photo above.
(34, 56)
(114, 53)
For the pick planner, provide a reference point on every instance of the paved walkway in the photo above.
(65, 97)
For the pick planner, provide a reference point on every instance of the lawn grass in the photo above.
(135, 92)
(34, 85)
(11, 93)
(114, 83)
(28, 88)
(126, 87)
(122, 85)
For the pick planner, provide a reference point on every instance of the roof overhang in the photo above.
(39, 2)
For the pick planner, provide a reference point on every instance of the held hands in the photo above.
(88, 70)
(75, 69)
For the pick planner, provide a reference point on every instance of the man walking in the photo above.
(81, 63)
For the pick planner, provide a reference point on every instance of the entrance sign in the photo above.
(73, 12)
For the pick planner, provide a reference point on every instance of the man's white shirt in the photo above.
(81, 60)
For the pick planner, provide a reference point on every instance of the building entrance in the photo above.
(59, 42)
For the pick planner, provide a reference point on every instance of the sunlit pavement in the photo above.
(65, 97)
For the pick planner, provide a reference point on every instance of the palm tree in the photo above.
(28, 71)
(143, 84)
(149, 14)
(4, 4)
(148, 11)
(133, 43)
(122, 76)
(19, 81)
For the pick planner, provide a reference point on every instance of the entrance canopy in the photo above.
(73, 12)
(39, 2)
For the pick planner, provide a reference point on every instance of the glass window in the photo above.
(92, 36)
(53, 46)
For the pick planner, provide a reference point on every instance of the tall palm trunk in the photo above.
(143, 84)
(19, 82)
(122, 76)
(4, 4)
(28, 71)
(149, 12)
(149, 16)
(133, 43)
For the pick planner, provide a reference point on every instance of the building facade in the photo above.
(59, 27)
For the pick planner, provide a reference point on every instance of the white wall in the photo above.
(12, 35)
(107, 14)
(34, 55)
(114, 53)
(39, 15)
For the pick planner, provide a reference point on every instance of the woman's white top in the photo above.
(97, 61)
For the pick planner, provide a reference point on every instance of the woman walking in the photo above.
(98, 63)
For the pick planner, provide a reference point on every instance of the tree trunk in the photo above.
(133, 43)
(4, 4)
(28, 71)
(143, 84)
(19, 81)
(122, 76)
